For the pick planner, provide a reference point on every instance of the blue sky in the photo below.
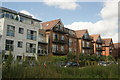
(87, 11)
(97, 17)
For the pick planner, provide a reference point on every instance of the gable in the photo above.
(49, 24)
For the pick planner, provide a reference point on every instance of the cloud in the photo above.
(107, 26)
(62, 4)
(27, 13)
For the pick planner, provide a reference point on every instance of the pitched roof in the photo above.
(117, 45)
(107, 41)
(95, 37)
(80, 33)
(50, 24)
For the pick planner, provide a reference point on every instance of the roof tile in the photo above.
(50, 24)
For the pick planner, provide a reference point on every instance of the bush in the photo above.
(71, 57)
(59, 58)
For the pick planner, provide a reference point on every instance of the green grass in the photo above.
(18, 71)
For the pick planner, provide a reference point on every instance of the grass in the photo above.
(52, 71)
(18, 71)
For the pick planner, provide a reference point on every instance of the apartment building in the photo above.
(97, 43)
(84, 42)
(72, 42)
(108, 46)
(21, 34)
(61, 40)
(116, 51)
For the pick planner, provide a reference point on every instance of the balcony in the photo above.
(99, 49)
(42, 39)
(42, 53)
(57, 29)
(60, 53)
(71, 35)
(88, 39)
(60, 41)
(99, 42)
(42, 42)
(87, 47)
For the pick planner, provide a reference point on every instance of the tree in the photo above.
(110, 58)
(8, 61)
(93, 57)
(71, 57)
(81, 57)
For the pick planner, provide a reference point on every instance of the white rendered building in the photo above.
(20, 34)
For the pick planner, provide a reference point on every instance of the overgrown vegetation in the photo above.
(45, 68)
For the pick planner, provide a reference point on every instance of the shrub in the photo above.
(59, 58)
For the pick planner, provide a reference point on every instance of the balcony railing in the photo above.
(60, 41)
(88, 39)
(57, 29)
(87, 47)
(42, 53)
(99, 49)
(99, 42)
(60, 52)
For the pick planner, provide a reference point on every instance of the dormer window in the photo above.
(21, 19)
(86, 36)
(11, 16)
(7, 15)
(99, 39)
(17, 18)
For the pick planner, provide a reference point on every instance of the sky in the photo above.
(97, 17)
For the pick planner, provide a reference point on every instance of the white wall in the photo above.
(18, 37)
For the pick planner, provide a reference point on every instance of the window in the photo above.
(96, 45)
(83, 43)
(21, 30)
(30, 48)
(62, 37)
(10, 30)
(55, 36)
(88, 44)
(42, 37)
(11, 16)
(53, 48)
(2, 15)
(21, 19)
(19, 57)
(20, 44)
(32, 35)
(86, 36)
(70, 49)
(62, 48)
(7, 15)
(32, 22)
(9, 45)
(70, 42)
(100, 46)
(83, 51)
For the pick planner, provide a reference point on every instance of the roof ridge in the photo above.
(51, 20)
